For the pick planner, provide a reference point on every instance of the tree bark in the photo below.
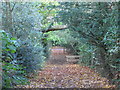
(7, 17)
(54, 29)
(105, 64)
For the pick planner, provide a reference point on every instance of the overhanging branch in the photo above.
(55, 28)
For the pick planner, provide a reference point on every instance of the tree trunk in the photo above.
(105, 64)
(7, 17)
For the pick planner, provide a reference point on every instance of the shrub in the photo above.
(30, 54)
(13, 74)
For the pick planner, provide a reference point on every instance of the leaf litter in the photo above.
(68, 76)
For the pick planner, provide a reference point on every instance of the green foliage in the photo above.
(27, 26)
(86, 52)
(97, 27)
(9, 46)
(26, 52)
(48, 11)
(58, 38)
(30, 53)
(13, 74)
(92, 33)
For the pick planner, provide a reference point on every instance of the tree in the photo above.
(7, 19)
(92, 21)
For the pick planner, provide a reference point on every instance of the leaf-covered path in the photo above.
(68, 76)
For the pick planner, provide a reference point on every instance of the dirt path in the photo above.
(68, 76)
(58, 74)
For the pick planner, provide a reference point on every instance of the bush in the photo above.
(13, 74)
(30, 54)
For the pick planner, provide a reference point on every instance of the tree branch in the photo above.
(90, 38)
(13, 7)
(55, 29)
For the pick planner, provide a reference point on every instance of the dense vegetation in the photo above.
(92, 32)
(27, 55)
